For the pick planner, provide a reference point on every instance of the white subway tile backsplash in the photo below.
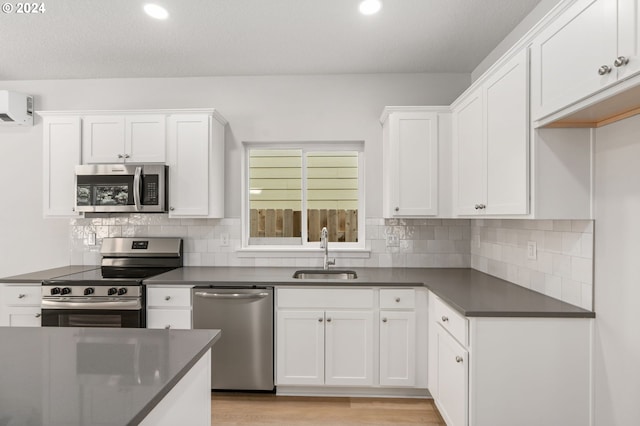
(564, 265)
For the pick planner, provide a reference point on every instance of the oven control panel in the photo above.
(110, 290)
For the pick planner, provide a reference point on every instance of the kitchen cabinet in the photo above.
(169, 307)
(490, 370)
(195, 156)
(123, 139)
(397, 337)
(571, 61)
(491, 143)
(60, 154)
(20, 305)
(410, 161)
(330, 346)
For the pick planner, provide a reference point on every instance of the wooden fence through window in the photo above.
(341, 224)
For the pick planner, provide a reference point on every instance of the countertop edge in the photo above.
(138, 418)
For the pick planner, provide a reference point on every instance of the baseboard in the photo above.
(357, 392)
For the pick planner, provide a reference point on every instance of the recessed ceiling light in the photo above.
(370, 7)
(156, 11)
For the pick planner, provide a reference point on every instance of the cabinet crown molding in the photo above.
(83, 113)
(391, 109)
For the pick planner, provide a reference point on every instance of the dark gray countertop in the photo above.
(80, 376)
(471, 292)
(47, 274)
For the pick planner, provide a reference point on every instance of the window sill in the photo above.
(340, 253)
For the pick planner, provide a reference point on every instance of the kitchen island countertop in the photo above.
(78, 376)
(47, 274)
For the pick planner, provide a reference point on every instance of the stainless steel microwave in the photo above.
(113, 188)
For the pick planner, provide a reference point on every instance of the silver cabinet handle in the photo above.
(38, 315)
(605, 69)
(171, 208)
(445, 319)
(167, 327)
(459, 359)
(397, 209)
(126, 156)
(328, 319)
(397, 300)
(320, 320)
(620, 61)
(167, 298)
(384, 320)
(22, 296)
(480, 206)
(120, 156)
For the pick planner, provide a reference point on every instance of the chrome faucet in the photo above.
(324, 243)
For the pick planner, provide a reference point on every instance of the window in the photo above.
(294, 190)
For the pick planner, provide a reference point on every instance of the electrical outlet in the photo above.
(91, 238)
(224, 239)
(393, 240)
(532, 250)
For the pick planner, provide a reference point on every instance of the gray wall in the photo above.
(280, 108)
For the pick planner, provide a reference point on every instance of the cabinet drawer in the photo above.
(169, 297)
(452, 321)
(325, 298)
(169, 318)
(13, 295)
(397, 298)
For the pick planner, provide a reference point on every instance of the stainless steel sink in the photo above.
(325, 274)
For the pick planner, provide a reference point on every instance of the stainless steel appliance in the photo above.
(111, 296)
(121, 188)
(243, 359)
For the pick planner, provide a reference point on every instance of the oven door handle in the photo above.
(137, 183)
(231, 295)
(88, 303)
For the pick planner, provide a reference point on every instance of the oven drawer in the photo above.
(169, 297)
(21, 295)
(169, 318)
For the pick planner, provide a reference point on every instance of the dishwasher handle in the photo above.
(234, 296)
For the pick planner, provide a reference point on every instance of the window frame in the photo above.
(305, 147)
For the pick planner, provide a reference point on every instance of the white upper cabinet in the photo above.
(60, 155)
(591, 46)
(195, 156)
(410, 161)
(117, 138)
(491, 144)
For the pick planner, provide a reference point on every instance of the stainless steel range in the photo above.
(112, 295)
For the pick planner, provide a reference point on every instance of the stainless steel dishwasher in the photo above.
(243, 357)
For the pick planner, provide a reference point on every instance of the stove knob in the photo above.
(122, 291)
(88, 291)
(65, 290)
(112, 291)
(55, 290)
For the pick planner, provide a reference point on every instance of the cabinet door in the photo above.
(300, 347)
(397, 348)
(60, 154)
(629, 37)
(469, 155)
(507, 129)
(349, 348)
(414, 159)
(188, 160)
(103, 139)
(145, 138)
(453, 378)
(567, 56)
(22, 316)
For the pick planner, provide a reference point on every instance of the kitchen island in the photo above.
(84, 376)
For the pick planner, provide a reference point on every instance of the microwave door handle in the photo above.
(137, 182)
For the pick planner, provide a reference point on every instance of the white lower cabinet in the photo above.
(20, 305)
(324, 348)
(488, 371)
(359, 338)
(169, 307)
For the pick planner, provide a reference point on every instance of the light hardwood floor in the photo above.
(267, 409)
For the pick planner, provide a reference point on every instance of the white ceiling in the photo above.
(114, 38)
